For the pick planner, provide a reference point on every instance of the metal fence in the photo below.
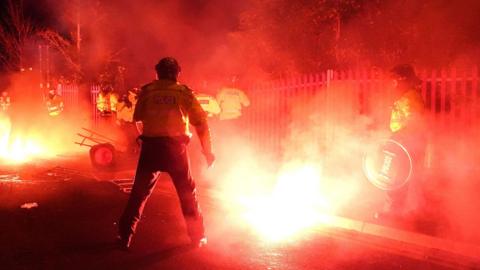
(277, 107)
(94, 90)
(70, 95)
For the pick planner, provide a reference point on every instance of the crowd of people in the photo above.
(53, 103)
(227, 104)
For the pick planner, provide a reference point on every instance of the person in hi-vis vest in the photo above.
(4, 101)
(408, 128)
(231, 101)
(54, 103)
(164, 112)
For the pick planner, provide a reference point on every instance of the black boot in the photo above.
(124, 241)
(196, 231)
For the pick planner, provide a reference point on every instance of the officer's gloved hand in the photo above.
(210, 157)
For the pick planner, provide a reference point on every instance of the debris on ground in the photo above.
(9, 177)
(62, 174)
(29, 205)
(125, 184)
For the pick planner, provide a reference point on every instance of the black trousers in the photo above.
(163, 154)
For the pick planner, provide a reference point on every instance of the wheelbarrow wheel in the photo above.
(102, 156)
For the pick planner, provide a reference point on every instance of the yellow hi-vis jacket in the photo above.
(4, 103)
(166, 108)
(231, 101)
(209, 104)
(407, 111)
(54, 105)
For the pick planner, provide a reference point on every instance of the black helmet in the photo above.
(167, 68)
(405, 72)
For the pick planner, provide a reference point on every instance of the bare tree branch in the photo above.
(14, 32)
(64, 46)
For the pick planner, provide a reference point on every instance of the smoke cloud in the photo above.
(328, 136)
(214, 40)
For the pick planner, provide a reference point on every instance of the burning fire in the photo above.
(293, 204)
(300, 198)
(17, 149)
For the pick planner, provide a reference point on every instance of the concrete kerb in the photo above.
(407, 243)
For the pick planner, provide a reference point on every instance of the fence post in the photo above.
(329, 77)
(94, 90)
(475, 94)
(464, 103)
(443, 94)
(433, 89)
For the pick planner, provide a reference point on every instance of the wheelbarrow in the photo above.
(105, 153)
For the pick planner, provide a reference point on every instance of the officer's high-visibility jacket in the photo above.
(209, 104)
(166, 108)
(231, 101)
(4, 103)
(407, 111)
(54, 105)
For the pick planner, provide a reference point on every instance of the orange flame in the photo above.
(18, 148)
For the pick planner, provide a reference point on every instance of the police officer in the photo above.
(4, 101)
(164, 110)
(407, 125)
(408, 109)
(54, 103)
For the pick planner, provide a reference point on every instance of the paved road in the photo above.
(72, 228)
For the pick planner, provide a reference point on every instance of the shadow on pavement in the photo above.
(161, 255)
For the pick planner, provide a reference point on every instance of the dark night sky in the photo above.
(42, 14)
(37, 10)
(202, 33)
(209, 20)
